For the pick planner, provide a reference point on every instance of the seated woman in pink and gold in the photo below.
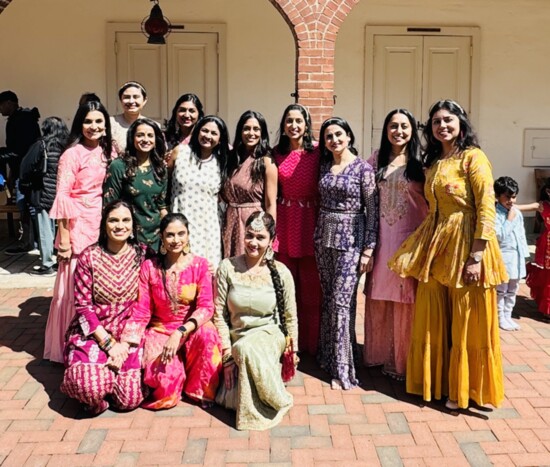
(100, 365)
(182, 351)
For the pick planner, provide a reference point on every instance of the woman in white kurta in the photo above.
(199, 170)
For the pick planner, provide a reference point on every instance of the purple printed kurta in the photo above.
(347, 225)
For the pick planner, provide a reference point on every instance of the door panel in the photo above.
(187, 63)
(447, 71)
(146, 64)
(414, 71)
(193, 67)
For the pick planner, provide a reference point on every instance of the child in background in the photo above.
(513, 245)
(538, 277)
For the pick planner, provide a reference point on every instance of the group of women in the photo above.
(176, 204)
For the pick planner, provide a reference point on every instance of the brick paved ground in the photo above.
(377, 425)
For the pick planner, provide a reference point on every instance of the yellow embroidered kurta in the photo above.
(460, 195)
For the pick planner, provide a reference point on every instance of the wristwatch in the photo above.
(183, 330)
(477, 256)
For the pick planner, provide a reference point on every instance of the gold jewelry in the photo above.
(162, 249)
(269, 253)
(257, 225)
(187, 248)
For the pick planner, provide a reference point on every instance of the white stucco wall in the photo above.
(515, 70)
(53, 50)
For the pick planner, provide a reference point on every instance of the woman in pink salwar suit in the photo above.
(77, 208)
(182, 351)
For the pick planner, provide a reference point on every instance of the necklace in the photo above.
(256, 269)
(120, 252)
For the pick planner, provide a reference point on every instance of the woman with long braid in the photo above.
(255, 308)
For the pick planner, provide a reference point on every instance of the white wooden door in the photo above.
(187, 63)
(413, 72)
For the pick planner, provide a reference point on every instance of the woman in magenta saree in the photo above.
(182, 347)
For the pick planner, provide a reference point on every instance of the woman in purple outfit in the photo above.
(345, 238)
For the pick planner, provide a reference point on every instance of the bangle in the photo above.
(63, 250)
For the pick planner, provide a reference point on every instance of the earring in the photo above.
(269, 253)
(131, 236)
(187, 248)
(162, 249)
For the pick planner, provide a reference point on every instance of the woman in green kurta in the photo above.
(255, 299)
(140, 179)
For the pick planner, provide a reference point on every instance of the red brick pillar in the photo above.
(315, 25)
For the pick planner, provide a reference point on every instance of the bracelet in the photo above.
(63, 250)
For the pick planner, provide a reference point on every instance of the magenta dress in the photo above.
(195, 370)
(538, 273)
(79, 199)
(297, 211)
(242, 198)
(389, 304)
(106, 290)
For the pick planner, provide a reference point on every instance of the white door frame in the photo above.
(371, 31)
(112, 85)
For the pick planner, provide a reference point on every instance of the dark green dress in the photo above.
(145, 193)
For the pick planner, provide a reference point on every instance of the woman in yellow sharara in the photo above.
(454, 254)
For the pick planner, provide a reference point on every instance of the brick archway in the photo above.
(315, 26)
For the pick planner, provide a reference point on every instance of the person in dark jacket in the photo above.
(38, 180)
(22, 130)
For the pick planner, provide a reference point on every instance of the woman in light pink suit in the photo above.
(389, 303)
(77, 208)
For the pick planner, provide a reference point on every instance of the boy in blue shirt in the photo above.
(510, 233)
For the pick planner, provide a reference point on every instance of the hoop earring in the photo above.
(187, 248)
(162, 249)
(269, 253)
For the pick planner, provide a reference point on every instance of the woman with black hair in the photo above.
(77, 208)
(252, 180)
(389, 303)
(101, 365)
(182, 353)
(345, 239)
(197, 179)
(297, 158)
(38, 180)
(186, 113)
(140, 178)
(455, 257)
(255, 310)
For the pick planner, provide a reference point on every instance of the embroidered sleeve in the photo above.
(221, 312)
(205, 300)
(291, 316)
(481, 180)
(143, 309)
(83, 294)
(369, 194)
(112, 186)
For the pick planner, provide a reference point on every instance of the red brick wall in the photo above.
(315, 25)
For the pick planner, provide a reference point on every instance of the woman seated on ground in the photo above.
(182, 347)
(255, 309)
(99, 364)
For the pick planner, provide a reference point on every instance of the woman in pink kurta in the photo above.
(101, 368)
(297, 158)
(252, 180)
(389, 304)
(182, 347)
(77, 208)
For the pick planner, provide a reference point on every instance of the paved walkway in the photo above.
(377, 425)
